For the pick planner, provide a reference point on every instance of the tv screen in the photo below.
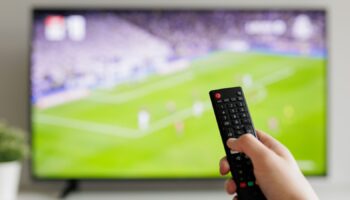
(123, 93)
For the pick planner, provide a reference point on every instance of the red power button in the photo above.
(217, 95)
(242, 185)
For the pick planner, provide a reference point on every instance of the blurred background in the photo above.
(15, 23)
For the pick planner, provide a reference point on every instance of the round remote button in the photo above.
(217, 95)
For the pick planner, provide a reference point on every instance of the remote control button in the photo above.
(241, 109)
(238, 157)
(239, 132)
(239, 93)
(248, 129)
(226, 100)
(232, 110)
(240, 98)
(229, 132)
(217, 95)
(226, 123)
(221, 106)
(242, 185)
(224, 118)
(234, 116)
(251, 183)
(239, 104)
(230, 105)
(243, 115)
(219, 101)
(233, 99)
(237, 127)
(236, 121)
(223, 112)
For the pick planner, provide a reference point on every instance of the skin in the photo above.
(275, 169)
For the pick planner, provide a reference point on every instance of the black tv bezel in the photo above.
(61, 10)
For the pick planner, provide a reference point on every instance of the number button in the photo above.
(230, 105)
(249, 129)
(236, 121)
(226, 123)
(243, 115)
(239, 104)
(238, 158)
(239, 132)
(232, 110)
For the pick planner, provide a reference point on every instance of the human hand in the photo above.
(275, 169)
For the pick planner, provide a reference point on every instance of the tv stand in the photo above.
(70, 186)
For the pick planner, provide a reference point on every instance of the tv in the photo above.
(123, 93)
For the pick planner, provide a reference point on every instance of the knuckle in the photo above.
(246, 138)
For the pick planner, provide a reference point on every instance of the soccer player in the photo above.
(143, 117)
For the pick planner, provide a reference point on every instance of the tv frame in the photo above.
(62, 9)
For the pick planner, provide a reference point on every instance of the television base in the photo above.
(70, 186)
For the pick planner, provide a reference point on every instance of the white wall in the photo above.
(14, 28)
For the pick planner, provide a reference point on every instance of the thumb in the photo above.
(249, 145)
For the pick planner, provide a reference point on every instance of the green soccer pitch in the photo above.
(99, 136)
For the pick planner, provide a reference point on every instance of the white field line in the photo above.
(116, 130)
(85, 125)
(134, 133)
(180, 115)
(269, 80)
(142, 91)
(277, 76)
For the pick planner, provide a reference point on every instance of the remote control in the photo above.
(233, 119)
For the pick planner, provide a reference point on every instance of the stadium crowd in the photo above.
(126, 46)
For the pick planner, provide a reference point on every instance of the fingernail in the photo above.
(231, 142)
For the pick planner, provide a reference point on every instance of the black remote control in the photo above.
(233, 119)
